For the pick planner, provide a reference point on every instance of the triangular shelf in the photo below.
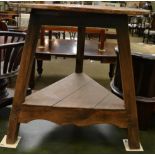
(75, 94)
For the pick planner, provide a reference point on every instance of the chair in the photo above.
(137, 24)
(144, 75)
(11, 23)
(149, 33)
(11, 44)
(3, 26)
(132, 24)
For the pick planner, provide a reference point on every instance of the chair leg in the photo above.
(143, 38)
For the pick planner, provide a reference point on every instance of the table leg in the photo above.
(23, 78)
(32, 76)
(80, 49)
(128, 82)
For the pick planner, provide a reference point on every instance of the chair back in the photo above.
(9, 21)
(153, 21)
(3, 26)
(11, 45)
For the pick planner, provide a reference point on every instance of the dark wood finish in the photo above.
(3, 26)
(11, 45)
(143, 67)
(80, 49)
(89, 30)
(7, 14)
(67, 48)
(39, 67)
(68, 51)
(81, 17)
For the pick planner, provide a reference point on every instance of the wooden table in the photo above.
(67, 48)
(77, 99)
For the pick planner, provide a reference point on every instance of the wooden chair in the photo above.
(3, 26)
(149, 33)
(11, 23)
(144, 75)
(11, 45)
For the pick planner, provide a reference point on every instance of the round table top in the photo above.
(85, 8)
(143, 50)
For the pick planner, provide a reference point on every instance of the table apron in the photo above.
(79, 19)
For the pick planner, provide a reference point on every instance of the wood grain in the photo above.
(67, 48)
(77, 116)
(75, 91)
(85, 8)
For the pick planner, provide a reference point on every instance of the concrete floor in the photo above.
(41, 136)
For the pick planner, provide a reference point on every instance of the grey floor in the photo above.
(41, 136)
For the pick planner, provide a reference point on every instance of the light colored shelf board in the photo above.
(76, 91)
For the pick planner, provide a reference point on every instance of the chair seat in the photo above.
(132, 25)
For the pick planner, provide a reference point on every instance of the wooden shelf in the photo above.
(76, 99)
(75, 91)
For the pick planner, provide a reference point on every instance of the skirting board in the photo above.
(127, 148)
(4, 144)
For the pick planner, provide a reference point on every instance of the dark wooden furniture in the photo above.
(7, 14)
(3, 26)
(67, 48)
(144, 74)
(95, 49)
(11, 45)
(149, 32)
(73, 29)
(77, 99)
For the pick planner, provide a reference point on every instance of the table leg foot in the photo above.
(4, 144)
(127, 148)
